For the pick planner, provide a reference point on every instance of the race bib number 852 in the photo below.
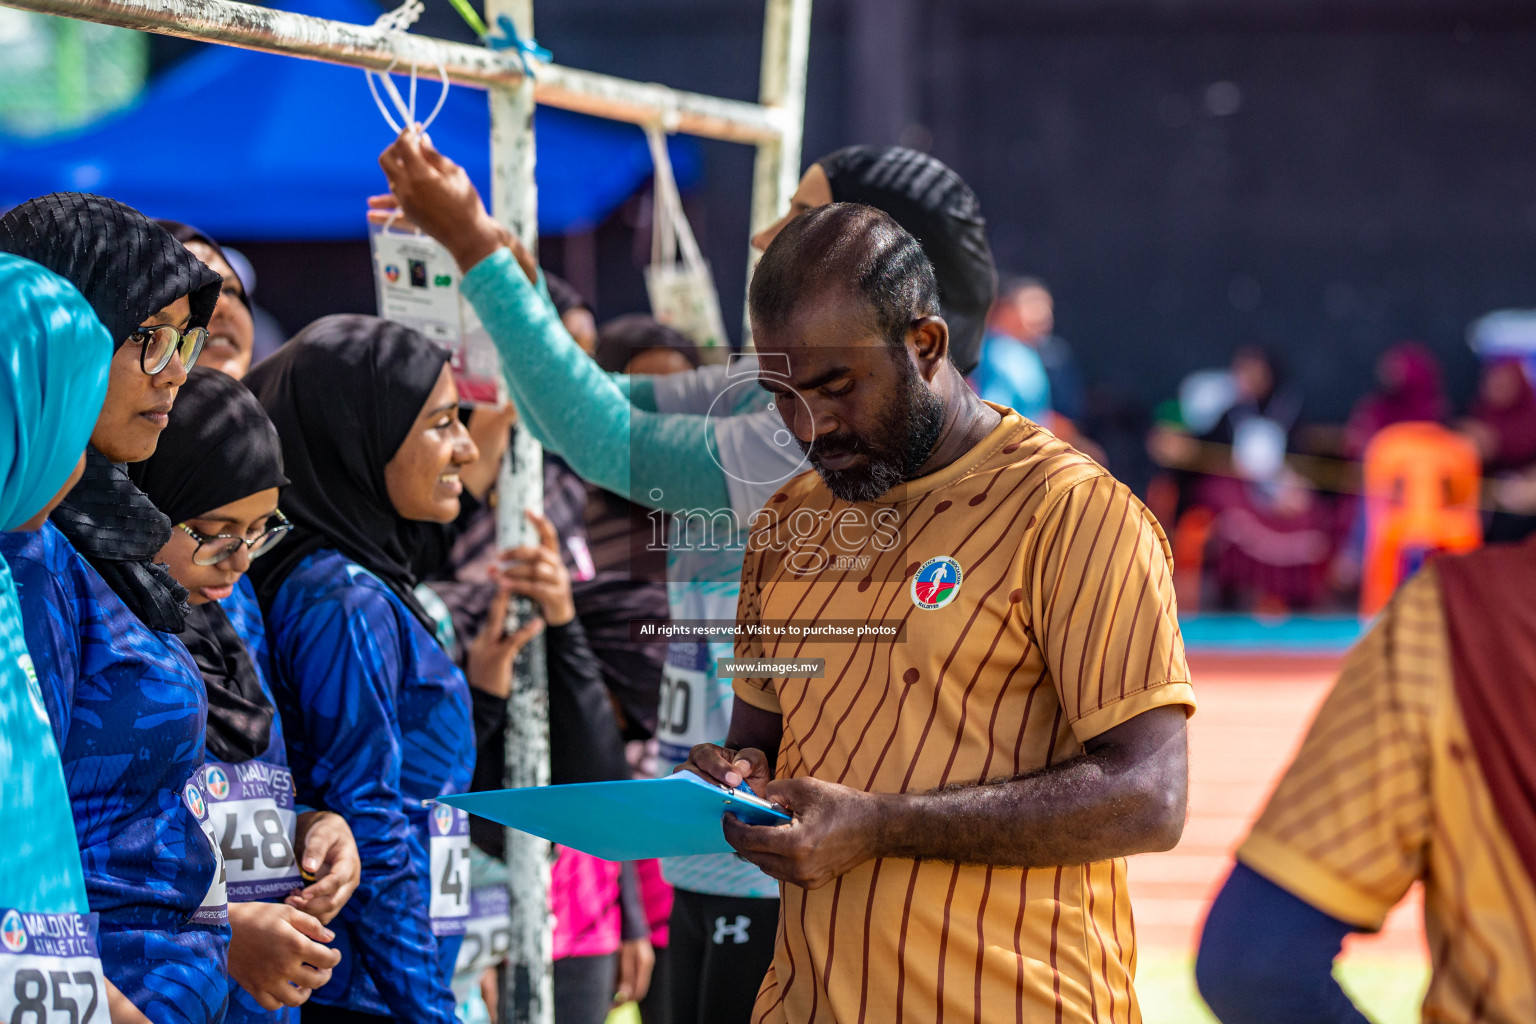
(50, 972)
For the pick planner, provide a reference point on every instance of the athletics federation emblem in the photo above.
(936, 583)
(218, 783)
(442, 816)
(195, 801)
(13, 933)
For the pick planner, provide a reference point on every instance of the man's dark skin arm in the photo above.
(1124, 794)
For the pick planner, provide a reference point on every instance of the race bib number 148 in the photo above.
(50, 970)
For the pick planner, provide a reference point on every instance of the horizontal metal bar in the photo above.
(363, 46)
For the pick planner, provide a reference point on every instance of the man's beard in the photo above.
(910, 426)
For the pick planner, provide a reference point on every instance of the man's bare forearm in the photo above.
(1116, 799)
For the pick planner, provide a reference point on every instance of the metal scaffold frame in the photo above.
(773, 125)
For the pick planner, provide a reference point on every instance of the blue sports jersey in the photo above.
(128, 710)
(242, 839)
(378, 725)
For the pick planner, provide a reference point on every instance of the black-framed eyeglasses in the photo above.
(158, 344)
(211, 550)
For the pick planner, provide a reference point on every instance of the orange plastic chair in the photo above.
(1422, 484)
(1189, 540)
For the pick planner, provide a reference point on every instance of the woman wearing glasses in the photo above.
(124, 697)
(217, 474)
(376, 716)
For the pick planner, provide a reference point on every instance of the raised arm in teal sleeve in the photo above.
(578, 411)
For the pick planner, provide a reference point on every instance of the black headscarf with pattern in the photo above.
(937, 208)
(128, 268)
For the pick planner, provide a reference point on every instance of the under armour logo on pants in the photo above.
(737, 931)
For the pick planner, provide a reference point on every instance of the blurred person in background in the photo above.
(1408, 390)
(1026, 312)
(1271, 539)
(1250, 424)
(1502, 424)
(575, 312)
(1502, 420)
(232, 331)
(1011, 372)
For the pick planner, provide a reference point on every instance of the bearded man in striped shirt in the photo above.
(964, 791)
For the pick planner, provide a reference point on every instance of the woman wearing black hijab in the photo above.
(376, 717)
(232, 330)
(217, 474)
(125, 699)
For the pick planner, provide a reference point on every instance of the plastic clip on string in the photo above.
(399, 20)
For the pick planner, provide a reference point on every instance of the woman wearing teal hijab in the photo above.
(53, 379)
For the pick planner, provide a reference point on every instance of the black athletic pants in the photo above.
(718, 950)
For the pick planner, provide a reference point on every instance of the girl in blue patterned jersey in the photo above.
(376, 716)
(217, 475)
(52, 383)
(123, 696)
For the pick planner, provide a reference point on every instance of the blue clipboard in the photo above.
(677, 816)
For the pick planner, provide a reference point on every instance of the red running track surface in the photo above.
(1253, 712)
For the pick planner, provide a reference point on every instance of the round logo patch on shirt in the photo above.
(217, 781)
(195, 801)
(13, 933)
(936, 583)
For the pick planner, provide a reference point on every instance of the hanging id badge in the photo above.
(50, 968)
(251, 807)
(417, 284)
(448, 858)
(215, 906)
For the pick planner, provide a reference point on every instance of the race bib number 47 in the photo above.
(50, 970)
(448, 853)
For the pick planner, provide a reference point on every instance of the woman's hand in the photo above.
(328, 853)
(539, 573)
(435, 195)
(489, 664)
(637, 959)
(275, 953)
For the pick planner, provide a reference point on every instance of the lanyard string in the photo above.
(399, 21)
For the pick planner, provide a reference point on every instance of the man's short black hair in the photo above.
(849, 246)
(1015, 284)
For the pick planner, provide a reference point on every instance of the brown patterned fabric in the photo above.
(1387, 791)
(1490, 617)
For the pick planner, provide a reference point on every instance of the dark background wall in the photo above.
(1187, 174)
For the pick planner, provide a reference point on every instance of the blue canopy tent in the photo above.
(255, 146)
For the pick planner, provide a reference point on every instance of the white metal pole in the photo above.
(527, 992)
(786, 55)
(364, 46)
